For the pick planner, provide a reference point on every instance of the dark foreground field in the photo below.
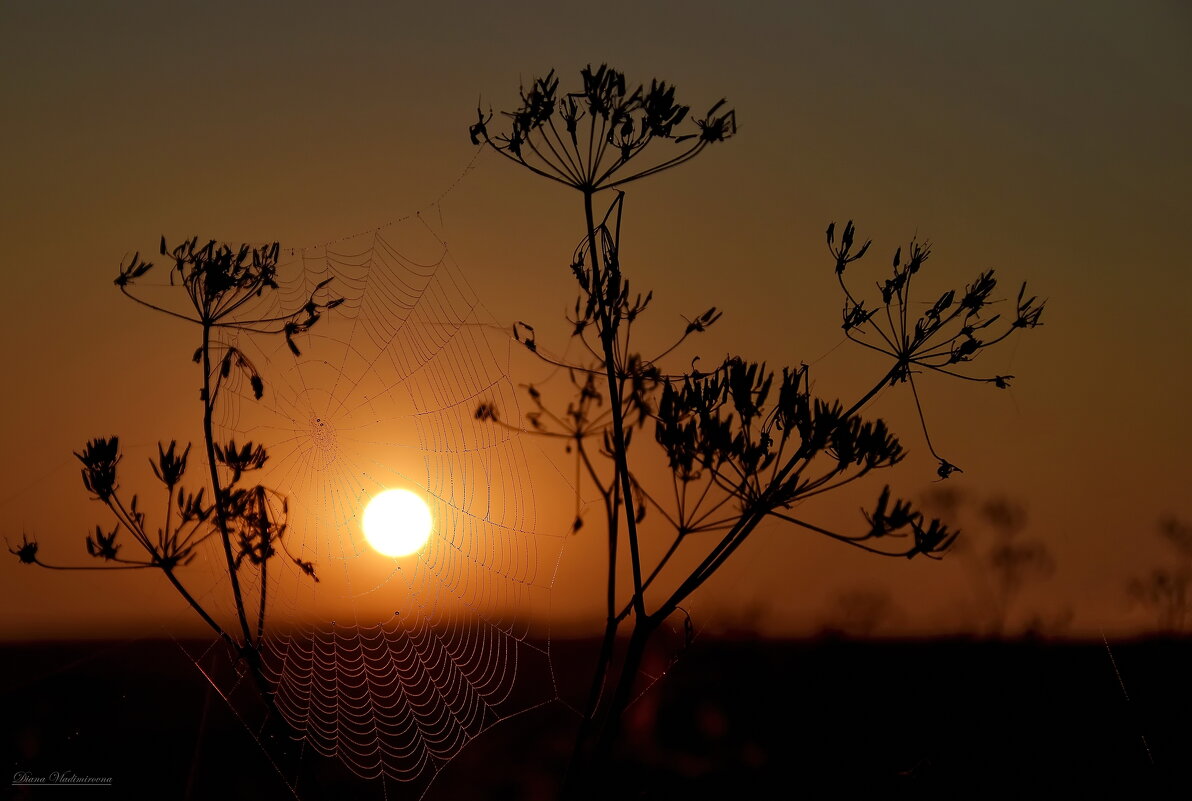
(764, 719)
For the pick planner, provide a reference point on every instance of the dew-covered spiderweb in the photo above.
(392, 665)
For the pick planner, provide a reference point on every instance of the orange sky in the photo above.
(1047, 143)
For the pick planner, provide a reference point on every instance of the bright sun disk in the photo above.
(397, 522)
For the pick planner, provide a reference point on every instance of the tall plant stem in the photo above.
(579, 770)
(643, 629)
(608, 338)
(264, 590)
(578, 767)
(221, 518)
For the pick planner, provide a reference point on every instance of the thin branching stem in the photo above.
(619, 455)
(221, 510)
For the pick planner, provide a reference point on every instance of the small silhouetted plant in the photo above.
(222, 285)
(1167, 591)
(743, 443)
(1006, 558)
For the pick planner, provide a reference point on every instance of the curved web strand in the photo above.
(392, 665)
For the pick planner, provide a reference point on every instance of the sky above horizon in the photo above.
(1045, 141)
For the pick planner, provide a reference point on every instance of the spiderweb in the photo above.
(392, 665)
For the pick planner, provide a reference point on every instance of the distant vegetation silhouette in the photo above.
(743, 443)
(859, 612)
(1005, 560)
(1166, 592)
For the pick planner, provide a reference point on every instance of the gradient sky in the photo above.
(1048, 141)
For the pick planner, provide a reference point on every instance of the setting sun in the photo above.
(397, 522)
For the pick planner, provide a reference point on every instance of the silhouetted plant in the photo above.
(1167, 591)
(221, 285)
(1010, 560)
(743, 443)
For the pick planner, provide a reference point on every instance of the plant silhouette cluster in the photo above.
(743, 443)
(222, 285)
(1167, 591)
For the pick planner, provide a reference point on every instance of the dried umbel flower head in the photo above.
(99, 458)
(952, 331)
(212, 273)
(26, 551)
(169, 468)
(597, 136)
(241, 459)
(103, 546)
(220, 281)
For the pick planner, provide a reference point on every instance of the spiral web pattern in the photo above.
(391, 665)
